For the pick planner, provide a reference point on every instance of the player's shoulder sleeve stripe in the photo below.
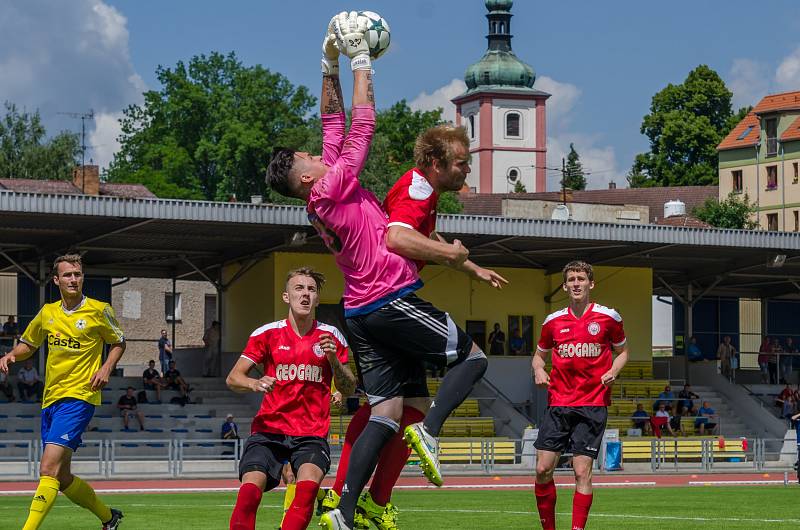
(420, 189)
(399, 223)
(603, 310)
(266, 327)
(553, 316)
(333, 330)
(244, 356)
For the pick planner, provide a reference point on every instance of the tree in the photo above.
(519, 187)
(574, 178)
(26, 153)
(208, 133)
(730, 213)
(685, 124)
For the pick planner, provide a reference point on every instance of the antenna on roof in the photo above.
(83, 116)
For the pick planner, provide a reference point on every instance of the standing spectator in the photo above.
(693, 350)
(152, 380)
(164, 351)
(775, 349)
(517, 344)
(726, 353)
(174, 381)
(6, 388)
(641, 419)
(128, 406)
(788, 410)
(686, 396)
(703, 421)
(497, 341)
(10, 332)
(763, 359)
(211, 343)
(665, 398)
(786, 360)
(28, 382)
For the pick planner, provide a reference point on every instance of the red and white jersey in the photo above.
(300, 402)
(412, 203)
(581, 354)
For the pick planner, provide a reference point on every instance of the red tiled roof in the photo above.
(683, 220)
(775, 102)
(792, 132)
(64, 187)
(653, 198)
(732, 141)
(39, 186)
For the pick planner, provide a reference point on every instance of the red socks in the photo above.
(394, 456)
(244, 513)
(580, 510)
(546, 504)
(302, 508)
(357, 424)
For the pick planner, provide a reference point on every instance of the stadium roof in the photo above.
(193, 239)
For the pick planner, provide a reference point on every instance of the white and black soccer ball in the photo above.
(378, 34)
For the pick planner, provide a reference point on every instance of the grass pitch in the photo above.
(748, 507)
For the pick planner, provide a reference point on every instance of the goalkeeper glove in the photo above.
(330, 51)
(350, 29)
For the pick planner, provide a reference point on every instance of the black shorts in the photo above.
(577, 429)
(393, 343)
(267, 452)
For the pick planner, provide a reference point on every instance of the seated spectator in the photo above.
(128, 407)
(661, 420)
(6, 388)
(230, 431)
(693, 350)
(686, 396)
(666, 397)
(703, 421)
(641, 419)
(152, 380)
(9, 332)
(517, 344)
(174, 381)
(786, 393)
(28, 383)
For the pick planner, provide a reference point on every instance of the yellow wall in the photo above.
(255, 298)
(629, 291)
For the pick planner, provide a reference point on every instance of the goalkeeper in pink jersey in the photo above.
(391, 330)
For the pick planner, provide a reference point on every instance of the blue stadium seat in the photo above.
(205, 445)
(178, 416)
(203, 430)
(179, 430)
(24, 430)
(3, 416)
(156, 445)
(26, 416)
(154, 416)
(203, 416)
(154, 430)
(129, 445)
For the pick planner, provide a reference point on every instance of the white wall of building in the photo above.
(502, 161)
(527, 110)
(474, 176)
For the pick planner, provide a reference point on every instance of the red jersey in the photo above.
(412, 203)
(300, 402)
(581, 354)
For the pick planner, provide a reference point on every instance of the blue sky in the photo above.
(602, 61)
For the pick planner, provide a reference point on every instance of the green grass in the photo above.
(753, 507)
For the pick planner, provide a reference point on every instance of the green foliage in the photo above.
(519, 187)
(575, 178)
(26, 153)
(208, 133)
(730, 213)
(685, 124)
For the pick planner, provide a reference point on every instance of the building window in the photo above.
(486, 78)
(772, 222)
(796, 221)
(772, 177)
(796, 175)
(737, 180)
(513, 125)
(471, 121)
(771, 129)
(168, 307)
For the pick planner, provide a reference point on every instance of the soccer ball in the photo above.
(377, 34)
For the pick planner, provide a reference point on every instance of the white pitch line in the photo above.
(735, 482)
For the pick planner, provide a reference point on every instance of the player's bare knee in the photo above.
(543, 473)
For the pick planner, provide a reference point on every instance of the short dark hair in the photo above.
(151, 361)
(578, 266)
(74, 259)
(280, 165)
(131, 388)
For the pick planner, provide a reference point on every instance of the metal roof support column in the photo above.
(688, 305)
(42, 282)
(174, 304)
(220, 291)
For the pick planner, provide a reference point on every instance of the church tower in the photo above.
(504, 115)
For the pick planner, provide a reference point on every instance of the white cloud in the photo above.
(103, 138)
(69, 57)
(749, 82)
(564, 98)
(787, 75)
(440, 98)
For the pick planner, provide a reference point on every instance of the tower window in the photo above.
(471, 126)
(513, 125)
(502, 28)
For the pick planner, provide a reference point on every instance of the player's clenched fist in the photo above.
(350, 29)
(265, 384)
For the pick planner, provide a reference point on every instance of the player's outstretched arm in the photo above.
(540, 375)
(475, 271)
(616, 367)
(20, 352)
(238, 379)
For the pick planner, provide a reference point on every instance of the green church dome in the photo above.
(499, 66)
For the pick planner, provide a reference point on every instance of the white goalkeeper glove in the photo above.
(330, 50)
(350, 29)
